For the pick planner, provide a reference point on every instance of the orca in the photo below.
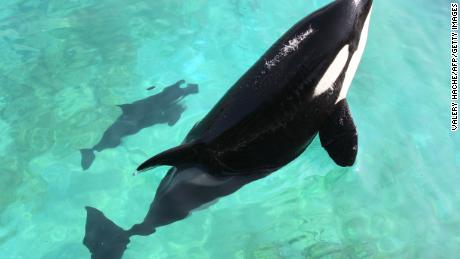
(160, 108)
(294, 92)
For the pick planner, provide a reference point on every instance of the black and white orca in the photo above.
(296, 90)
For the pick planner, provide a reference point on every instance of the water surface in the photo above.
(66, 64)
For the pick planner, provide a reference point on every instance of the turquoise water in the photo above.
(66, 64)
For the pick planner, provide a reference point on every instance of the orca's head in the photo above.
(348, 21)
(361, 10)
(362, 6)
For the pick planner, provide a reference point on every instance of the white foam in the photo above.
(292, 46)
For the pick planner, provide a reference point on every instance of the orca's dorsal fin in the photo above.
(339, 137)
(180, 155)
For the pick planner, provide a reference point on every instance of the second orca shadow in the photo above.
(160, 108)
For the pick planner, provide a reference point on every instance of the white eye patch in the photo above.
(355, 59)
(333, 72)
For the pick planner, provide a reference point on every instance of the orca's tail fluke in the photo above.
(87, 157)
(103, 238)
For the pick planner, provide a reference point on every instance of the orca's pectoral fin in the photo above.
(339, 137)
(103, 238)
(87, 158)
(173, 120)
(175, 115)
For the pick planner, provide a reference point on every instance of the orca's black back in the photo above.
(269, 116)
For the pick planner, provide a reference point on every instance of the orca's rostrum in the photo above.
(296, 90)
